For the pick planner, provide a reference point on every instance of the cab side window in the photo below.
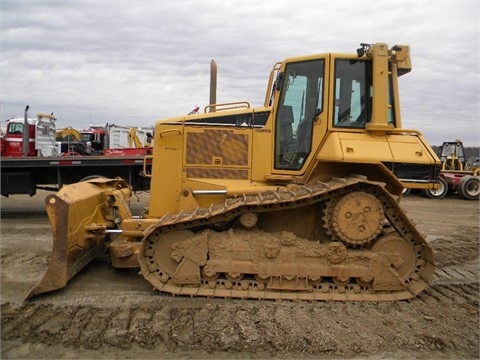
(353, 93)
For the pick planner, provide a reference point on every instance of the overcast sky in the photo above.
(133, 62)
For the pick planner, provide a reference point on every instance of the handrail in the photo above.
(164, 132)
(144, 170)
(228, 106)
(270, 91)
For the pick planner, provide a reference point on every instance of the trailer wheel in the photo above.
(469, 188)
(406, 191)
(437, 193)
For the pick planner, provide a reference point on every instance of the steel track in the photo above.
(283, 199)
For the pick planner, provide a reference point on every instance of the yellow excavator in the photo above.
(135, 142)
(68, 134)
(297, 199)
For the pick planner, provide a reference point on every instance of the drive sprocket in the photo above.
(355, 219)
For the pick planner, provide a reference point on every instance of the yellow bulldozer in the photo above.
(297, 199)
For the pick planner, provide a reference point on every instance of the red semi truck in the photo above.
(37, 140)
(32, 158)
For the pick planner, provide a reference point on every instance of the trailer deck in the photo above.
(24, 175)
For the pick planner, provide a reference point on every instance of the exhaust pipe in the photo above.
(213, 85)
(26, 133)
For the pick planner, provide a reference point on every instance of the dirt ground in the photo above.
(104, 313)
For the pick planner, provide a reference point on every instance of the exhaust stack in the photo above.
(213, 85)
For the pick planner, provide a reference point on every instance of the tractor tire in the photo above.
(437, 193)
(469, 187)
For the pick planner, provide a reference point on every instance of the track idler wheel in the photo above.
(172, 256)
(404, 258)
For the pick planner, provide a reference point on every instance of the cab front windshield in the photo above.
(301, 101)
(15, 128)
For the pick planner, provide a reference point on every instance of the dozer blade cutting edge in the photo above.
(79, 217)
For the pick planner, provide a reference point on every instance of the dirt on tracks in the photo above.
(106, 313)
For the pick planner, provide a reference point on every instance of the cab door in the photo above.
(301, 117)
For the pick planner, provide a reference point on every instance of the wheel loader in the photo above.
(297, 199)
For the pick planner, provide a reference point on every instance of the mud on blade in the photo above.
(79, 216)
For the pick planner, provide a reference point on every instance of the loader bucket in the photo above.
(79, 215)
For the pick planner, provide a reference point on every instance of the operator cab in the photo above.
(345, 101)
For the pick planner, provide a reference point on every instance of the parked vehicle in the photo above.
(30, 137)
(42, 157)
(111, 139)
(457, 175)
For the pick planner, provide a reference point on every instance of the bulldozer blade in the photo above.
(77, 215)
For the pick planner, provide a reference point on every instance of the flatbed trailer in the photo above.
(25, 175)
